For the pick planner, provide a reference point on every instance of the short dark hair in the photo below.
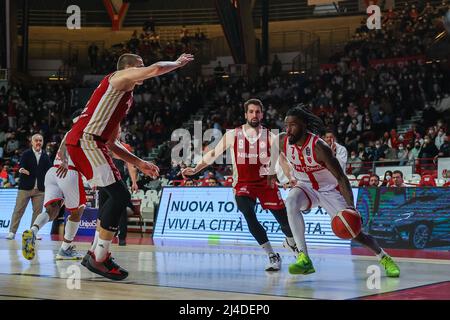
(127, 59)
(255, 102)
(329, 130)
(399, 172)
(375, 175)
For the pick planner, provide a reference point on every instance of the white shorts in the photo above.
(70, 189)
(332, 201)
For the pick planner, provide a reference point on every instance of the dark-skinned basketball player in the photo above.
(250, 145)
(316, 179)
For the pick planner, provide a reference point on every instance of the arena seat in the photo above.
(137, 195)
(413, 177)
(353, 180)
(147, 212)
(427, 181)
(153, 196)
(136, 214)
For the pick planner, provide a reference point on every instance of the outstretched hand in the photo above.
(149, 169)
(184, 59)
(187, 172)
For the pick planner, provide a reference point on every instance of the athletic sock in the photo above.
(71, 229)
(382, 254)
(268, 248)
(102, 249)
(40, 221)
(94, 243)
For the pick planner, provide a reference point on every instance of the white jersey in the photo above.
(57, 161)
(307, 170)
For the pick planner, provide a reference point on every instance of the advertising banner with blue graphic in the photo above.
(88, 221)
(7, 203)
(210, 213)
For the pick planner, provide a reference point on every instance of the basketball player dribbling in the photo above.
(316, 179)
(250, 145)
(94, 133)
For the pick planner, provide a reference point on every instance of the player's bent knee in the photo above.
(52, 210)
(75, 214)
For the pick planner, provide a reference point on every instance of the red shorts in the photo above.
(270, 198)
(92, 159)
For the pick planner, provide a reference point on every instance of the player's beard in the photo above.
(294, 139)
(254, 124)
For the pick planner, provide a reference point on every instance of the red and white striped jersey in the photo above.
(104, 111)
(306, 167)
(251, 157)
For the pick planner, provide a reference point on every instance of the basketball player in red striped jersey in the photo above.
(250, 145)
(317, 179)
(95, 132)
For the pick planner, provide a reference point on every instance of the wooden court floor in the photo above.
(219, 272)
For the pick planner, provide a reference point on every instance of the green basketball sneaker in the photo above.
(392, 270)
(302, 266)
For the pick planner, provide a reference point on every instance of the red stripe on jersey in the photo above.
(311, 177)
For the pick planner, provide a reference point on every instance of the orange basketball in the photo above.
(346, 224)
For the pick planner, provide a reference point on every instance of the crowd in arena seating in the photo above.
(148, 45)
(362, 105)
(406, 31)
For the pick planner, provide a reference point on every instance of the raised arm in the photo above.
(122, 79)
(211, 155)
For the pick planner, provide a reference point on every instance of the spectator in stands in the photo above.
(339, 151)
(212, 182)
(374, 180)
(199, 35)
(188, 183)
(387, 178)
(219, 71)
(439, 140)
(444, 150)
(149, 26)
(276, 66)
(397, 177)
(12, 145)
(402, 154)
(93, 53)
(428, 150)
(4, 177)
(355, 164)
(413, 153)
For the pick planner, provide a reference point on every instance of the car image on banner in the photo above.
(414, 217)
(211, 214)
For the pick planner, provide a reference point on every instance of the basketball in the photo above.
(346, 224)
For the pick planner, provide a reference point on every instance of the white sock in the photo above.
(94, 243)
(102, 249)
(66, 245)
(294, 204)
(268, 248)
(381, 254)
(40, 221)
(71, 229)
